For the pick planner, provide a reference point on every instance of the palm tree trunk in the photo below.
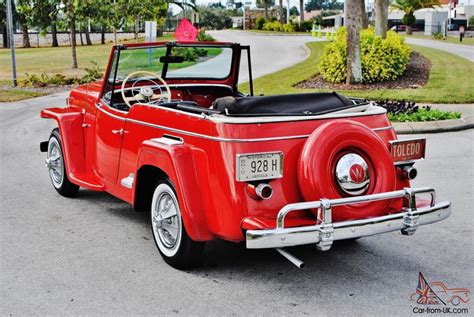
(282, 21)
(381, 17)
(54, 34)
(363, 15)
(354, 24)
(409, 30)
(301, 12)
(265, 6)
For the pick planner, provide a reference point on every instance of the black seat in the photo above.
(292, 104)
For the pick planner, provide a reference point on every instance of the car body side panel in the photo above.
(177, 162)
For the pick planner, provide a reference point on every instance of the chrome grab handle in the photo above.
(120, 132)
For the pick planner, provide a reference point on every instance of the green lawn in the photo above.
(9, 95)
(450, 80)
(448, 39)
(53, 60)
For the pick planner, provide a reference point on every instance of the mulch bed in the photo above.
(415, 76)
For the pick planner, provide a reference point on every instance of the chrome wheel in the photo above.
(55, 162)
(166, 220)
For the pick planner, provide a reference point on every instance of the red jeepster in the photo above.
(168, 131)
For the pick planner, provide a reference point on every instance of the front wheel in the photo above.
(171, 238)
(56, 167)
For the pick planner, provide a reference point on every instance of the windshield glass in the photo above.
(187, 62)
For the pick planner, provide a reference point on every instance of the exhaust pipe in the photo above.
(261, 191)
(297, 262)
(408, 172)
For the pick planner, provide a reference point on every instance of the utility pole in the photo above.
(10, 40)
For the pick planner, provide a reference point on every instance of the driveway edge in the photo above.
(434, 126)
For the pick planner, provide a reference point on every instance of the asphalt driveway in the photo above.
(95, 255)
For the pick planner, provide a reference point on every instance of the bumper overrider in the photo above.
(324, 233)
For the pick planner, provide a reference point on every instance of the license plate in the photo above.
(251, 167)
(408, 150)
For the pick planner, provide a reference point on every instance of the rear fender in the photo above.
(177, 162)
(70, 129)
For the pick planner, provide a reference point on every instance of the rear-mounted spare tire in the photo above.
(320, 155)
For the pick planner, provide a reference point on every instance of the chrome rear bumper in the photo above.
(323, 234)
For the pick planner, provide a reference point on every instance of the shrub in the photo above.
(402, 111)
(288, 28)
(382, 59)
(92, 73)
(190, 54)
(272, 26)
(438, 35)
(204, 37)
(260, 22)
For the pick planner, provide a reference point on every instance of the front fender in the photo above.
(70, 129)
(177, 162)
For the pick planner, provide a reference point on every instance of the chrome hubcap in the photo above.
(166, 221)
(352, 174)
(54, 163)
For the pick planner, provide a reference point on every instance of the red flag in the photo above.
(186, 32)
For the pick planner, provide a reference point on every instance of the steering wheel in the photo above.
(147, 93)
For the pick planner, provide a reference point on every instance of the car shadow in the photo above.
(227, 260)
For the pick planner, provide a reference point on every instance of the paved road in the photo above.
(268, 53)
(261, 42)
(466, 51)
(95, 255)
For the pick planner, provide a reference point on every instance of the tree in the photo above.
(265, 4)
(364, 22)
(323, 4)
(212, 18)
(294, 11)
(301, 11)
(354, 24)
(282, 18)
(409, 7)
(25, 11)
(3, 22)
(71, 16)
(45, 16)
(381, 17)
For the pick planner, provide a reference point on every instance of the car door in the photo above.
(110, 125)
(110, 122)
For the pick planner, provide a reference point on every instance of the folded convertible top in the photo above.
(292, 104)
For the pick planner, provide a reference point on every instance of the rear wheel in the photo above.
(56, 167)
(169, 232)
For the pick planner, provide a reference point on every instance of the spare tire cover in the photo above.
(317, 167)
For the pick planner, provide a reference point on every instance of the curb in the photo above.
(434, 126)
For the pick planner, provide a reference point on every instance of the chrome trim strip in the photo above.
(207, 137)
(390, 127)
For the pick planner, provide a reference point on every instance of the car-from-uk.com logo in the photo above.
(437, 297)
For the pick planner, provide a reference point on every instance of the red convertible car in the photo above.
(168, 131)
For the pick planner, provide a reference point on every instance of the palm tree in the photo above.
(409, 7)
